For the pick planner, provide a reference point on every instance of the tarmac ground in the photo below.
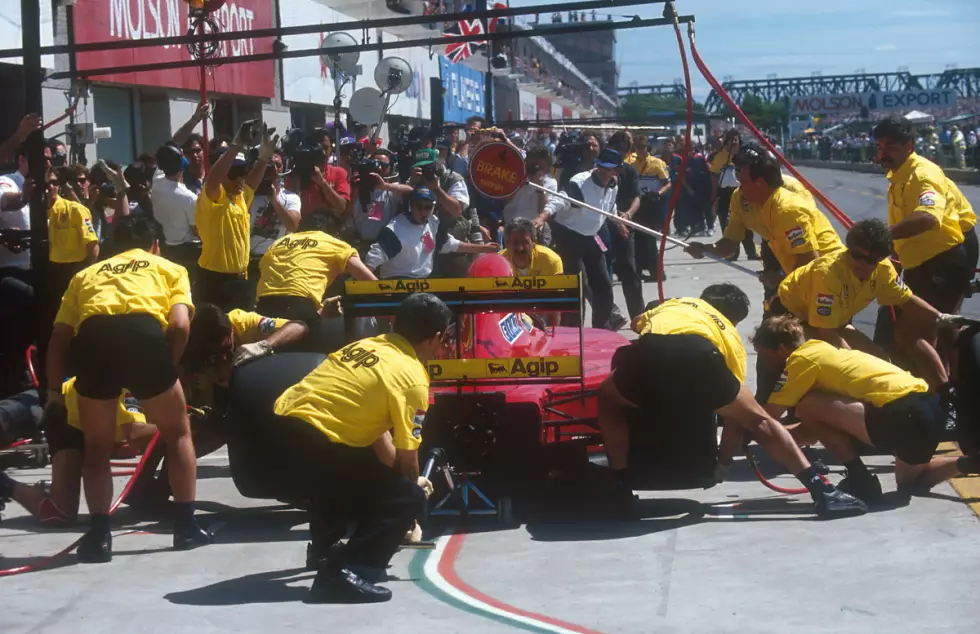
(734, 558)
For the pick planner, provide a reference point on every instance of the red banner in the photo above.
(544, 109)
(112, 20)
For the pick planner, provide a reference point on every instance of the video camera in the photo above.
(403, 144)
(304, 153)
(361, 167)
(570, 154)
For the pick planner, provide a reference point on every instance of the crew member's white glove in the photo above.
(267, 146)
(425, 485)
(414, 534)
(946, 320)
(249, 133)
(250, 352)
(115, 177)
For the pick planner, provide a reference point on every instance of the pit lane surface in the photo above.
(734, 558)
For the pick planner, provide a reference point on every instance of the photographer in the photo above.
(374, 201)
(275, 212)
(321, 185)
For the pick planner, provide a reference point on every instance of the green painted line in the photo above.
(416, 568)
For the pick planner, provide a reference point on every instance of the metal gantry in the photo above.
(966, 82)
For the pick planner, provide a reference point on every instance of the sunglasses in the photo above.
(865, 257)
(52, 183)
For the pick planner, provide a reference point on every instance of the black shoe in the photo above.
(866, 488)
(343, 586)
(753, 256)
(820, 466)
(95, 548)
(622, 502)
(191, 538)
(836, 503)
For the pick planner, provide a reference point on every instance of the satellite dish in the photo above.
(393, 75)
(345, 63)
(366, 105)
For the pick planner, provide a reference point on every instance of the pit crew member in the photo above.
(126, 321)
(297, 269)
(335, 415)
(73, 242)
(405, 248)
(924, 219)
(795, 231)
(527, 258)
(58, 507)
(840, 395)
(223, 221)
(576, 230)
(828, 292)
(219, 341)
(690, 360)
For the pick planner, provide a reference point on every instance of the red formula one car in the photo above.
(513, 399)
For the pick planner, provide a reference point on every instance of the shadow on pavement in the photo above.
(263, 587)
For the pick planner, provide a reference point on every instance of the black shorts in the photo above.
(943, 280)
(909, 427)
(678, 374)
(113, 352)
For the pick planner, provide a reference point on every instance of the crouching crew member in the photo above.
(334, 416)
(840, 395)
(57, 507)
(219, 341)
(690, 361)
(794, 229)
(827, 293)
(297, 270)
(126, 321)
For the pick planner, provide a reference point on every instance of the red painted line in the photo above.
(447, 569)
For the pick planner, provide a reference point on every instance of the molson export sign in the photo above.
(497, 170)
(802, 105)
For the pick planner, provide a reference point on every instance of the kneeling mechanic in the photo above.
(334, 416)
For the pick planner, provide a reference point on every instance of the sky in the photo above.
(752, 39)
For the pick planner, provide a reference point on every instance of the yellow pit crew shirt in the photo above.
(128, 409)
(689, 316)
(817, 365)
(363, 390)
(225, 229)
(70, 231)
(920, 185)
(303, 264)
(825, 293)
(789, 222)
(252, 327)
(544, 261)
(132, 282)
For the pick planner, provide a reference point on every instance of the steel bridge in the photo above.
(965, 81)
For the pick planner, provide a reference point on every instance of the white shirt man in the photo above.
(267, 227)
(15, 215)
(173, 208)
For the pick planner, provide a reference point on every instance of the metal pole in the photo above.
(202, 53)
(481, 5)
(356, 25)
(36, 172)
(379, 46)
(639, 227)
(76, 152)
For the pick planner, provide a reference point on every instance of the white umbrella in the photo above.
(917, 116)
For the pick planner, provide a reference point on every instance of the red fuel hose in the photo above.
(827, 203)
(676, 191)
(44, 563)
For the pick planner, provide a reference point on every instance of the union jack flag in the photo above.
(459, 51)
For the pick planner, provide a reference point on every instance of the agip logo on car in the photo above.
(510, 368)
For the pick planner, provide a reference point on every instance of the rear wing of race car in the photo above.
(469, 296)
